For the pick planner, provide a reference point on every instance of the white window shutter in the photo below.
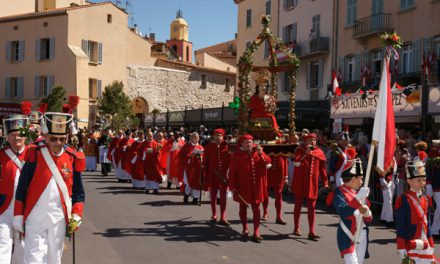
(85, 46)
(8, 51)
(21, 51)
(8, 88)
(100, 53)
(357, 68)
(20, 90)
(99, 84)
(37, 49)
(415, 56)
(309, 67)
(52, 48)
(50, 83)
(37, 93)
(320, 73)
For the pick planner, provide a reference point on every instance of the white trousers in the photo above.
(435, 228)
(138, 183)
(152, 185)
(188, 191)
(387, 206)
(9, 237)
(358, 256)
(44, 243)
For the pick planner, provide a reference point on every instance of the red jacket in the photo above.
(113, 145)
(306, 175)
(217, 158)
(36, 175)
(136, 150)
(174, 169)
(7, 177)
(248, 176)
(277, 173)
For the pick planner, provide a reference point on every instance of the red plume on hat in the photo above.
(43, 107)
(26, 107)
(73, 102)
(66, 109)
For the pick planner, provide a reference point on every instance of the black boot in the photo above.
(155, 191)
(195, 201)
(169, 185)
(185, 199)
(147, 191)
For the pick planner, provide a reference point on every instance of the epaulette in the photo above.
(74, 152)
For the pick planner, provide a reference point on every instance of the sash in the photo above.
(19, 163)
(59, 180)
(421, 213)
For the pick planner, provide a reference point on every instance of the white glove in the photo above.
(17, 223)
(363, 193)
(402, 253)
(268, 166)
(383, 182)
(367, 214)
(77, 218)
(429, 189)
(332, 178)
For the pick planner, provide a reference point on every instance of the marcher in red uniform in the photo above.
(276, 177)
(247, 180)
(163, 154)
(152, 168)
(216, 164)
(310, 164)
(50, 194)
(112, 151)
(173, 168)
(191, 157)
(135, 153)
(12, 159)
(125, 157)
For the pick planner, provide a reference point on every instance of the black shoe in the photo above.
(195, 201)
(169, 185)
(155, 191)
(119, 180)
(314, 237)
(177, 188)
(390, 224)
(147, 191)
(257, 238)
(185, 199)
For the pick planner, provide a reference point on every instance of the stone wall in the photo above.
(174, 90)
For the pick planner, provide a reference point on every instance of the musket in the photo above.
(73, 247)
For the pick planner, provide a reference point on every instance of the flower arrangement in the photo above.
(433, 162)
(30, 132)
(72, 226)
(391, 39)
(265, 20)
(270, 103)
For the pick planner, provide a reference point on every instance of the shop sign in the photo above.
(354, 106)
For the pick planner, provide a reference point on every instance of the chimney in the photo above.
(152, 36)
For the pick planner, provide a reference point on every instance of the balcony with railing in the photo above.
(367, 26)
(314, 46)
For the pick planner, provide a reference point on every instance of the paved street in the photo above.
(122, 225)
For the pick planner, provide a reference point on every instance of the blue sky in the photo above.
(210, 21)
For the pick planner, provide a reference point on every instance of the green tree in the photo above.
(116, 105)
(55, 99)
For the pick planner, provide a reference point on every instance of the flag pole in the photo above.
(370, 163)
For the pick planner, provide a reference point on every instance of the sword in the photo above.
(241, 198)
(223, 179)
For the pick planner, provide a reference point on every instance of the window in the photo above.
(95, 88)
(15, 51)
(268, 7)
(14, 87)
(377, 63)
(289, 34)
(43, 85)
(249, 18)
(227, 85)
(314, 74)
(187, 54)
(203, 85)
(266, 50)
(406, 4)
(45, 49)
(286, 82)
(351, 12)
(93, 50)
(406, 58)
(316, 20)
(350, 68)
(109, 18)
(289, 4)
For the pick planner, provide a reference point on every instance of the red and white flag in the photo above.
(384, 129)
(337, 91)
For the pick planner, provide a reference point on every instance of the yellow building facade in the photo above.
(82, 47)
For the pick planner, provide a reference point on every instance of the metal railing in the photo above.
(376, 23)
(319, 44)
